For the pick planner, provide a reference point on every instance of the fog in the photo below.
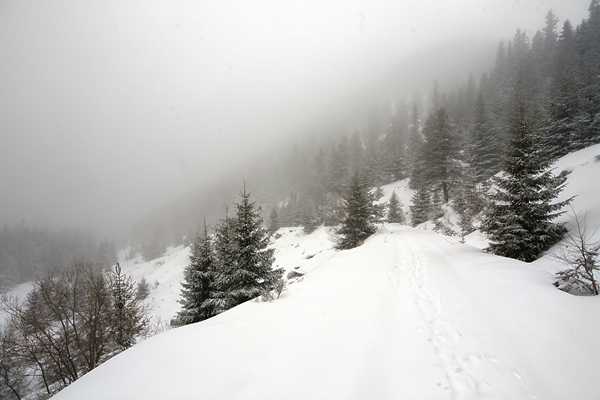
(109, 109)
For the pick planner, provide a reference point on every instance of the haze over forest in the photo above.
(110, 110)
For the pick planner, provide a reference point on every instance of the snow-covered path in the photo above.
(466, 374)
(408, 315)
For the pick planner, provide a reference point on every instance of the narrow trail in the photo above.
(469, 374)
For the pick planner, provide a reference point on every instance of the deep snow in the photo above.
(411, 314)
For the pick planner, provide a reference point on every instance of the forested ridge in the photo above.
(449, 143)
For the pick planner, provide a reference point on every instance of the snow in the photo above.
(164, 275)
(411, 314)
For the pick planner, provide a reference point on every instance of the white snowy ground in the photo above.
(411, 314)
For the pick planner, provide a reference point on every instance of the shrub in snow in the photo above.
(279, 286)
(581, 257)
(442, 225)
(295, 274)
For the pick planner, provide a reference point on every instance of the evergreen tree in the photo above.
(360, 215)
(483, 154)
(469, 201)
(310, 220)
(394, 210)
(414, 152)
(566, 52)
(440, 153)
(252, 260)
(588, 121)
(518, 223)
(220, 299)
(339, 167)
(550, 44)
(421, 207)
(107, 254)
(198, 277)
(561, 127)
(9, 271)
(128, 316)
(142, 291)
(274, 223)
(435, 210)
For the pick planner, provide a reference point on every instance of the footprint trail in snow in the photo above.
(469, 375)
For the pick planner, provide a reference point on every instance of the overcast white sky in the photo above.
(110, 107)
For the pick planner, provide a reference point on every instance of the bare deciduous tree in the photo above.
(68, 325)
(581, 256)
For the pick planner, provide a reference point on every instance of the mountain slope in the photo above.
(410, 314)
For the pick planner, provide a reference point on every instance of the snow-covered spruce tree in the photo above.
(360, 215)
(518, 222)
(394, 210)
(252, 270)
(421, 206)
(198, 282)
(225, 249)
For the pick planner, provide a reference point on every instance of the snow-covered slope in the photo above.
(411, 314)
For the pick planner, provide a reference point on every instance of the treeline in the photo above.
(447, 142)
(450, 144)
(27, 252)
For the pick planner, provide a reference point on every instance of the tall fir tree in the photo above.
(225, 249)
(252, 271)
(561, 126)
(442, 168)
(518, 222)
(483, 150)
(414, 151)
(198, 283)
(421, 206)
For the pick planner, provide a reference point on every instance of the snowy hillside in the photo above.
(411, 314)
